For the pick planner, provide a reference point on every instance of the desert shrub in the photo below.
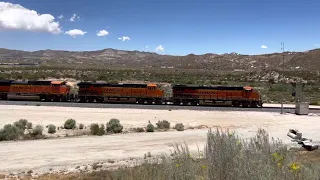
(150, 127)
(139, 129)
(23, 122)
(101, 130)
(70, 124)
(81, 126)
(163, 124)
(94, 129)
(37, 130)
(29, 125)
(179, 127)
(19, 125)
(11, 132)
(51, 129)
(114, 126)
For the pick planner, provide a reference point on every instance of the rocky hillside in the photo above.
(307, 61)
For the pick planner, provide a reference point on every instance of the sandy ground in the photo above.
(288, 106)
(41, 155)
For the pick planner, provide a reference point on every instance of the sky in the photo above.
(175, 27)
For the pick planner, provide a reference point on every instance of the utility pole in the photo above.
(282, 48)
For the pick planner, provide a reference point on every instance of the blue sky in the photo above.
(179, 26)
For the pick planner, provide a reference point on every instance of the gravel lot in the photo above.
(67, 153)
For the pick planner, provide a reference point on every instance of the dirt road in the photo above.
(41, 155)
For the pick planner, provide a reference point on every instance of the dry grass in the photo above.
(225, 157)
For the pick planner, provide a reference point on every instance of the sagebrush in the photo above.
(114, 126)
(150, 128)
(164, 124)
(95, 129)
(51, 129)
(179, 127)
(70, 124)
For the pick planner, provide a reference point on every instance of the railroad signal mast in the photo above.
(282, 48)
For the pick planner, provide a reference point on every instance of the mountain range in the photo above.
(294, 61)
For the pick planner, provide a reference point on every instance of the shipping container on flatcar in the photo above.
(39, 90)
(216, 95)
(116, 93)
(4, 88)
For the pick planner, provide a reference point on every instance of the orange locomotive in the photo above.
(126, 93)
(216, 95)
(39, 90)
(4, 88)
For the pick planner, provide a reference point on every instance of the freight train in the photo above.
(149, 93)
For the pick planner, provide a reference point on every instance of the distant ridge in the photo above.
(307, 61)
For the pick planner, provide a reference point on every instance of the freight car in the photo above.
(124, 93)
(36, 90)
(216, 95)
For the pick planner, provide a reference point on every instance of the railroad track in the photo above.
(155, 107)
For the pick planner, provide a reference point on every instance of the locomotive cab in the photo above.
(253, 96)
(154, 90)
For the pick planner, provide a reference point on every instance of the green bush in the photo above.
(102, 130)
(150, 127)
(23, 122)
(114, 126)
(19, 125)
(81, 126)
(96, 130)
(70, 124)
(11, 132)
(163, 124)
(37, 131)
(29, 125)
(179, 127)
(51, 129)
(139, 129)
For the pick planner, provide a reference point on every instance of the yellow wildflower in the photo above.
(294, 166)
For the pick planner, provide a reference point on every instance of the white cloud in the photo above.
(124, 38)
(73, 18)
(102, 33)
(160, 48)
(75, 32)
(60, 17)
(264, 47)
(15, 16)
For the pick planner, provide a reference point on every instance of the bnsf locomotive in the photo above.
(35, 90)
(216, 95)
(131, 93)
(149, 93)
